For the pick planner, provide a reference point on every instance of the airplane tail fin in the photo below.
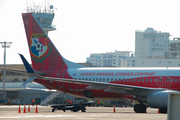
(44, 55)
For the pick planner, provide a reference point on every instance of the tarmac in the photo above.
(92, 113)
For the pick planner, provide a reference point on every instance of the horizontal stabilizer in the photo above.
(29, 80)
(20, 71)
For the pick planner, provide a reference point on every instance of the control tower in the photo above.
(43, 16)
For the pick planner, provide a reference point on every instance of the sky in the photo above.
(88, 26)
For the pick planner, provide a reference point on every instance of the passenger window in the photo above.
(128, 80)
(79, 78)
(150, 79)
(86, 79)
(142, 79)
(134, 79)
(115, 79)
(107, 79)
(131, 79)
(93, 79)
(89, 79)
(175, 80)
(111, 79)
(138, 79)
(103, 79)
(172, 80)
(123, 79)
(119, 79)
(146, 79)
(50, 81)
(167, 80)
(155, 80)
(82, 78)
(96, 79)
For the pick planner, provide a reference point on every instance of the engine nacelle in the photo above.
(158, 99)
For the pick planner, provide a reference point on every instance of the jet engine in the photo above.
(158, 99)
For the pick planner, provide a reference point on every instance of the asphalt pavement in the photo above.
(92, 113)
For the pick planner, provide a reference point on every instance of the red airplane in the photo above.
(148, 86)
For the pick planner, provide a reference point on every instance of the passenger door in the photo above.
(167, 81)
(160, 81)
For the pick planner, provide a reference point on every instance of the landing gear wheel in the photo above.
(53, 110)
(140, 108)
(83, 109)
(75, 110)
(163, 110)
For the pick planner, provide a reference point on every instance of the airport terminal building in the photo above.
(18, 94)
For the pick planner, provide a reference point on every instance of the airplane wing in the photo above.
(108, 87)
(39, 89)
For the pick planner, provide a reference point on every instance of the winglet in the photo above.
(32, 73)
(26, 64)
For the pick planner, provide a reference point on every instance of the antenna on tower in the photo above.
(43, 14)
(41, 8)
(26, 4)
(33, 7)
(45, 6)
(48, 5)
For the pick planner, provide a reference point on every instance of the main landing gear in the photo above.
(140, 108)
(163, 110)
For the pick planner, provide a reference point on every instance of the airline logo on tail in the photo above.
(39, 47)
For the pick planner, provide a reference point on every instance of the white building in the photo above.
(112, 59)
(152, 49)
(174, 46)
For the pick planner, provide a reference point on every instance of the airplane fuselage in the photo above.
(163, 78)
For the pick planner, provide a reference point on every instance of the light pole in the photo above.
(5, 45)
